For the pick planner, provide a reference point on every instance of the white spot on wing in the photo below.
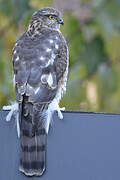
(56, 46)
(51, 41)
(48, 50)
(30, 86)
(14, 52)
(47, 64)
(56, 37)
(52, 59)
(16, 44)
(36, 91)
(17, 58)
(42, 58)
(50, 80)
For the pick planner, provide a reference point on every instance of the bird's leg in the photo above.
(58, 109)
(13, 110)
(18, 125)
(54, 106)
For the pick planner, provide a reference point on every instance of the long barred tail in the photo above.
(32, 161)
(33, 146)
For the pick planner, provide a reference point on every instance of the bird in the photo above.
(40, 60)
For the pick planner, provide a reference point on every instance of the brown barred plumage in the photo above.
(40, 62)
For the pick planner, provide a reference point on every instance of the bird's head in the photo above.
(47, 17)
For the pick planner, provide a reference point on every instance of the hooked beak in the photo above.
(60, 21)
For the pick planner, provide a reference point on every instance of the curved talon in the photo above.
(13, 108)
(62, 109)
(60, 114)
(9, 116)
(7, 107)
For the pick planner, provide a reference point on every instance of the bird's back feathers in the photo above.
(40, 67)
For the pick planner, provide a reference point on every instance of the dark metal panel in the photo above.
(83, 146)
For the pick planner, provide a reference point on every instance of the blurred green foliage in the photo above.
(94, 45)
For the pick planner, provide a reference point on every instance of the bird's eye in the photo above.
(51, 17)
